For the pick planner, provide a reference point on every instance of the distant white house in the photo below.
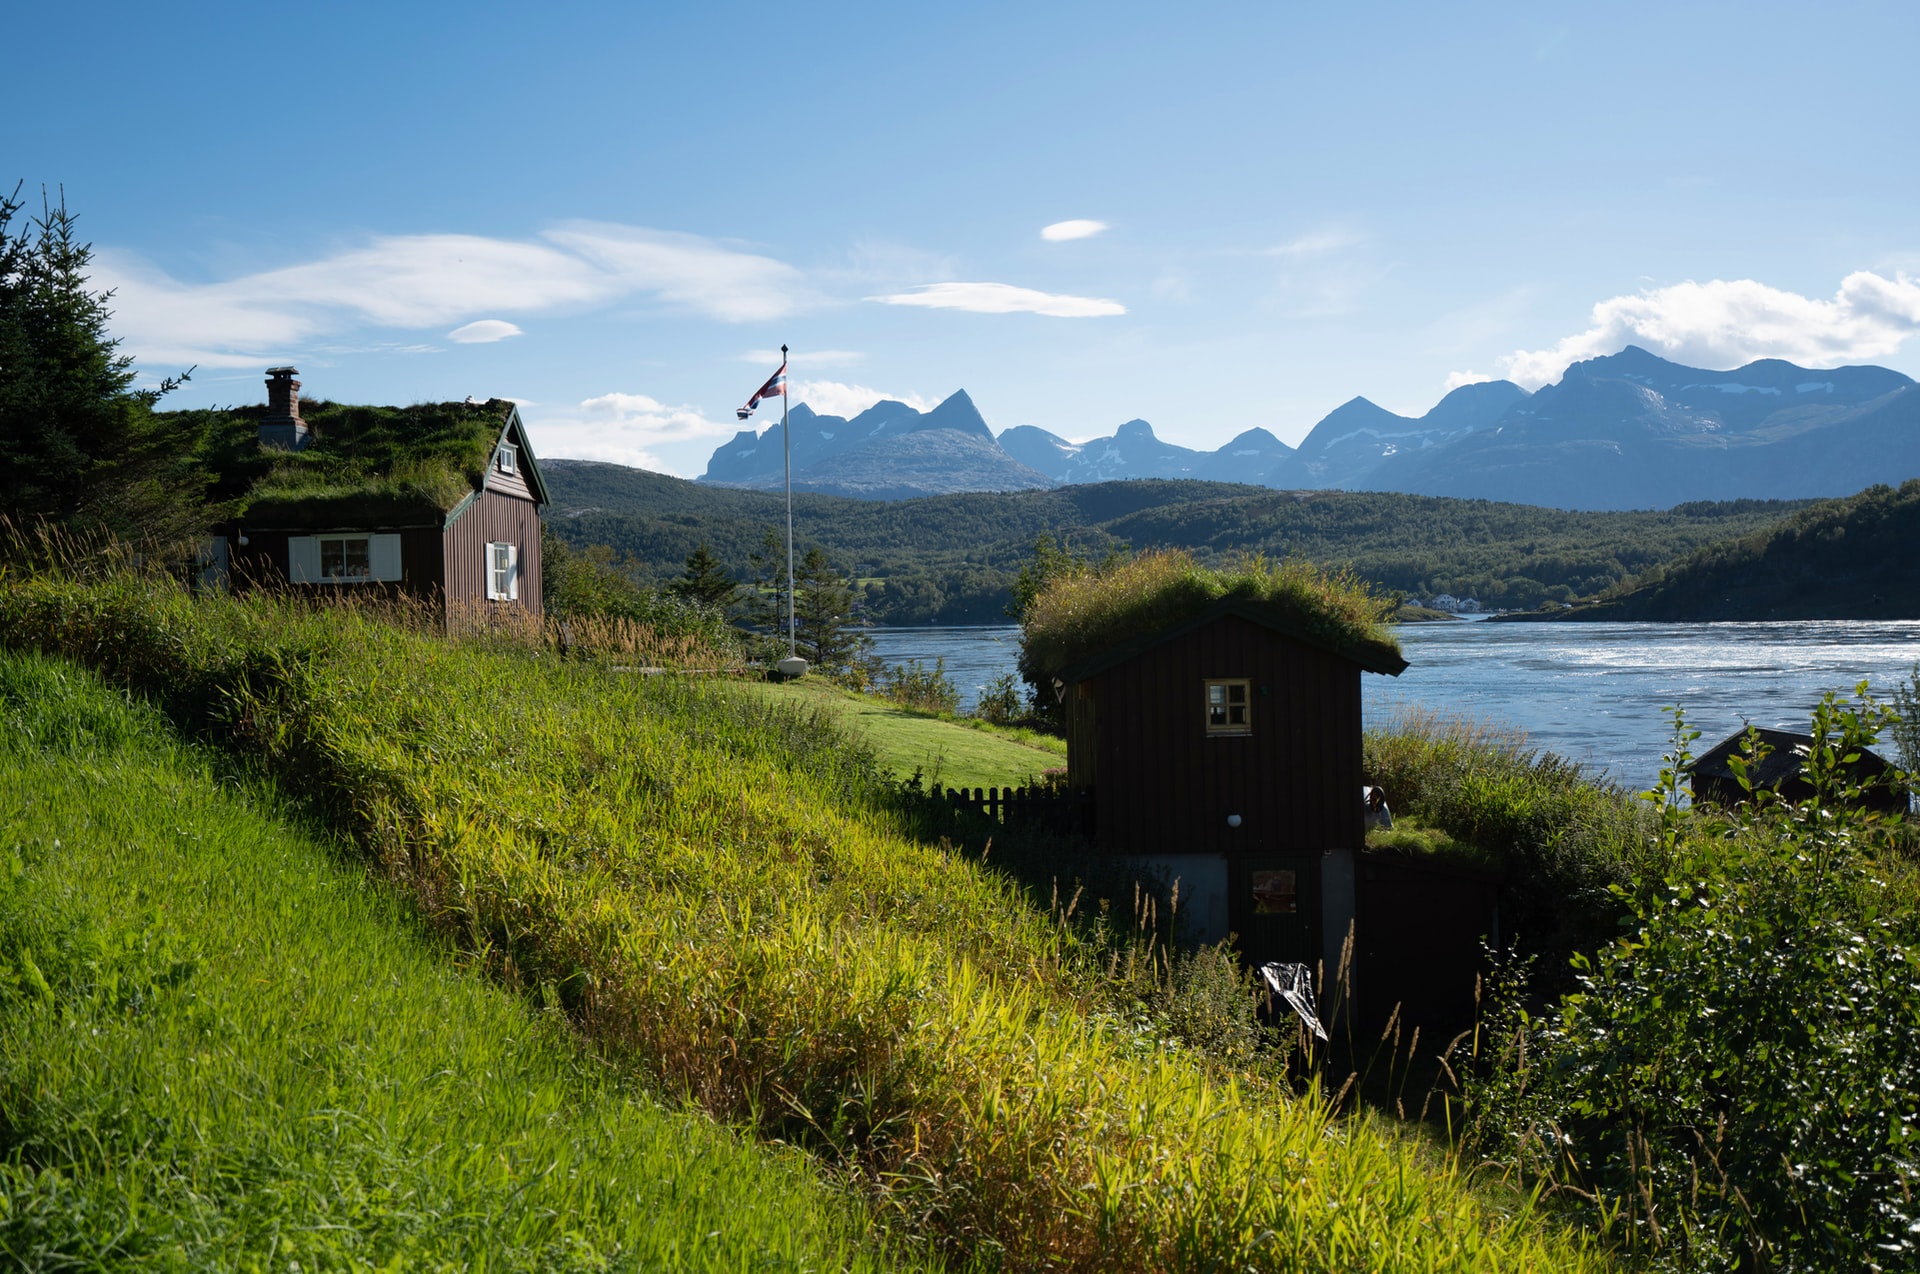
(1455, 605)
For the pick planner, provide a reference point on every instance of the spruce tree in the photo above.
(706, 581)
(79, 446)
(824, 602)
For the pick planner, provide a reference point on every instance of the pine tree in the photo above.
(705, 581)
(824, 603)
(78, 444)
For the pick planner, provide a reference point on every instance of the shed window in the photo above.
(345, 559)
(1228, 709)
(509, 458)
(503, 572)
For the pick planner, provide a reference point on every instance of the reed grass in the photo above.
(714, 890)
(222, 1049)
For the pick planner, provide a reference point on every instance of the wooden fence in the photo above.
(1048, 809)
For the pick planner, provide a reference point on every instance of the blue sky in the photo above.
(614, 213)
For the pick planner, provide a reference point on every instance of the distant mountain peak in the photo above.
(1135, 430)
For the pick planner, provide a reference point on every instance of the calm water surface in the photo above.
(1592, 692)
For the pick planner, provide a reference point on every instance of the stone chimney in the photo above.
(282, 427)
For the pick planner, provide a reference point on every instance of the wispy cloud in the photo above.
(1060, 231)
(1456, 379)
(483, 332)
(833, 398)
(426, 281)
(1318, 244)
(1003, 298)
(1724, 323)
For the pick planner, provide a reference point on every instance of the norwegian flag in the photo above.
(776, 384)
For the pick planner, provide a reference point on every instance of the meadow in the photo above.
(720, 896)
(223, 1048)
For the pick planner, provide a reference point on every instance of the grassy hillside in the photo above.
(222, 1048)
(951, 559)
(719, 895)
(1840, 559)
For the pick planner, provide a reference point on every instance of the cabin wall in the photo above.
(1162, 785)
(492, 518)
(262, 561)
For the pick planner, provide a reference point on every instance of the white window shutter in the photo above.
(513, 572)
(303, 559)
(493, 588)
(383, 556)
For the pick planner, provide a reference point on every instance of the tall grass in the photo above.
(221, 1049)
(1563, 839)
(713, 891)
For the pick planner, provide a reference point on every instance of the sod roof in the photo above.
(376, 466)
(1089, 620)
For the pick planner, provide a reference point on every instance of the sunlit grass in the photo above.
(221, 1048)
(713, 888)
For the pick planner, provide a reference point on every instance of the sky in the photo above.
(1210, 216)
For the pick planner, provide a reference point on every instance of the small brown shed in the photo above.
(1226, 749)
(438, 501)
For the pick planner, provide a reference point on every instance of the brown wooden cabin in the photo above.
(474, 547)
(1714, 784)
(1226, 751)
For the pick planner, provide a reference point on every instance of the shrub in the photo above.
(914, 685)
(1001, 702)
(1736, 1085)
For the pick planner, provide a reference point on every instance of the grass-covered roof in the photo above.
(1090, 611)
(363, 465)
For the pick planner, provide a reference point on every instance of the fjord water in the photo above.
(1592, 692)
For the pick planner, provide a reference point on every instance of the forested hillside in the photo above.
(1841, 559)
(951, 559)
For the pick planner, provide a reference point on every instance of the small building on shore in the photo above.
(1224, 749)
(1781, 757)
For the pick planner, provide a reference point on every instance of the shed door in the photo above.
(1274, 906)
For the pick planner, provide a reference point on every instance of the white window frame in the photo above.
(306, 553)
(509, 458)
(502, 567)
(1218, 710)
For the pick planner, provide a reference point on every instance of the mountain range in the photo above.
(1629, 430)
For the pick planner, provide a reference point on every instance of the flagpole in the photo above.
(786, 443)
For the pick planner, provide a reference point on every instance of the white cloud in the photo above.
(810, 357)
(1002, 298)
(832, 398)
(1060, 231)
(1724, 324)
(483, 332)
(623, 428)
(1456, 379)
(426, 281)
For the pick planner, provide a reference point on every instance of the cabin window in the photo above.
(1229, 710)
(509, 458)
(503, 572)
(345, 559)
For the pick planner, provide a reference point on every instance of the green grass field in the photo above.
(722, 894)
(221, 1047)
(948, 752)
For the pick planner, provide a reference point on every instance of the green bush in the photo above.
(1736, 1084)
(1001, 702)
(914, 685)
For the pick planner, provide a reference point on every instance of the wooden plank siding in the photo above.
(262, 561)
(1162, 785)
(492, 518)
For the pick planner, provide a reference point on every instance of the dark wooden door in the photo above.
(1274, 905)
